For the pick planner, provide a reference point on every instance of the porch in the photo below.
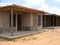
(16, 22)
(18, 34)
(51, 21)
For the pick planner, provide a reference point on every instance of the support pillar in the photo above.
(22, 22)
(12, 29)
(31, 21)
(44, 20)
(41, 21)
(16, 22)
(53, 21)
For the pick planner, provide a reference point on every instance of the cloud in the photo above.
(37, 4)
(29, 3)
(2, 4)
(10, 2)
(42, 6)
(57, 0)
(5, 4)
(54, 10)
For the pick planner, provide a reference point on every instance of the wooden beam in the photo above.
(53, 21)
(16, 22)
(31, 21)
(45, 20)
(41, 21)
(5, 9)
(19, 9)
(50, 20)
(22, 22)
(56, 21)
(12, 22)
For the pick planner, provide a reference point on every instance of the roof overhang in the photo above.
(21, 8)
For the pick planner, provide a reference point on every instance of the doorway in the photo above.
(19, 22)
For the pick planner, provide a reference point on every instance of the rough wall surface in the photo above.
(4, 21)
(26, 22)
(35, 22)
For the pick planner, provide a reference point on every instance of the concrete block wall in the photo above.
(35, 21)
(4, 22)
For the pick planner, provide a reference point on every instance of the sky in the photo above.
(51, 6)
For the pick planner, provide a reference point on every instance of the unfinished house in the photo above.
(17, 21)
(51, 21)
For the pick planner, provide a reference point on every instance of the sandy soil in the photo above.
(51, 37)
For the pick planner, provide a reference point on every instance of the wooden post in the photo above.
(16, 22)
(22, 22)
(44, 20)
(41, 21)
(12, 22)
(50, 20)
(56, 21)
(53, 21)
(31, 21)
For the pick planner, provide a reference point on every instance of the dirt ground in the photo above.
(51, 37)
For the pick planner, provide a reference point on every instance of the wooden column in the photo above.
(50, 20)
(16, 22)
(31, 21)
(41, 21)
(12, 22)
(59, 21)
(53, 21)
(22, 22)
(56, 21)
(45, 20)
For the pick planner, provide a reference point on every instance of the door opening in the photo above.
(19, 20)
